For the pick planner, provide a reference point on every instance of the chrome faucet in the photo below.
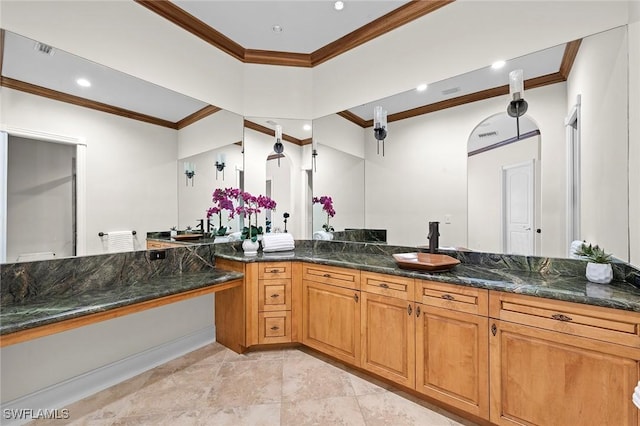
(434, 233)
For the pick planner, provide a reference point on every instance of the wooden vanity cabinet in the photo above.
(156, 244)
(388, 327)
(274, 302)
(561, 363)
(331, 311)
(452, 362)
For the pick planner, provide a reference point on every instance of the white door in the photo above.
(518, 195)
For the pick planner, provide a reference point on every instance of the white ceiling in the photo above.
(307, 25)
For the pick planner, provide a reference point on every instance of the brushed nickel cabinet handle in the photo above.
(494, 329)
(560, 317)
(275, 295)
(383, 285)
(275, 327)
(418, 311)
(448, 297)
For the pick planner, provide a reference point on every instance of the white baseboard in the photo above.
(69, 391)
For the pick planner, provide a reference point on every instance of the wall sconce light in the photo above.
(380, 126)
(314, 153)
(518, 106)
(220, 166)
(278, 147)
(190, 172)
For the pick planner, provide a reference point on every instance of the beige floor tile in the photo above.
(322, 412)
(392, 409)
(306, 377)
(251, 415)
(247, 383)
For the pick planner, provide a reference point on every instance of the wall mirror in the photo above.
(283, 172)
(423, 176)
(125, 135)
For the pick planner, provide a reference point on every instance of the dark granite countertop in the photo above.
(42, 310)
(540, 277)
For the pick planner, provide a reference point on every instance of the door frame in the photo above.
(531, 164)
(571, 122)
(81, 181)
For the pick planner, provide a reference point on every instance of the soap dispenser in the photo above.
(434, 233)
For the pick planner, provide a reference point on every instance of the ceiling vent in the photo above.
(484, 135)
(44, 48)
(450, 91)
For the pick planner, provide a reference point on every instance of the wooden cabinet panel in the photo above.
(331, 320)
(450, 296)
(229, 313)
(541, 377)
(152, 244)
(388, 338)
(341, 277)
(452, 358)
(273, 270)
(610, 325)
(274, 295)
(387, 285)
(275, 327)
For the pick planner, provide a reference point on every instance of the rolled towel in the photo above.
(277, 242)
(235, 236)
(322, 235)
(636, 396)
(575, 246)
(220, 239)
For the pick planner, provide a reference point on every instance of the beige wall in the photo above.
(634, 133)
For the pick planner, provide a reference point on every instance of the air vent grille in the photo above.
(451, 91)
(484, 135)
(44, 48)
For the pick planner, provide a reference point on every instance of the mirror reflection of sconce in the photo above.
(380, 126)
(190, 172)
(314, 153)
(286, 216)
(220, 166)
(278, 147)
(518, 106)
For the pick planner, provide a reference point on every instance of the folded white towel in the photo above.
(235, 236)
(636, 396)
(220, 239)
(277, 242)
(322, 235)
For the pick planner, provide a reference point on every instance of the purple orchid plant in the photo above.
(248, 205)
(327, 206)
(222, 199)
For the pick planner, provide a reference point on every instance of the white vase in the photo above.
(250, 248)
(601, 273)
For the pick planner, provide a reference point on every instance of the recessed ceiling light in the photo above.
(306, 127)
(498, 64)
(421, 87)
(83, 82)
(338, 5)
(276, 29)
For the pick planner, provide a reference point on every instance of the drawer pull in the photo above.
(409, 310)
(418, 311)
(383, 285)
(560, 317)
(355, 297)
(494, 329)
(327, 275)
(273, 296)
(274, 271)
(275, 327)
(448, 297)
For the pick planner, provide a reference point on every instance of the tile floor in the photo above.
(215, 386)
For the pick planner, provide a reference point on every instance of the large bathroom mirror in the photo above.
(119, 143)
(581, 113)
(280, 172)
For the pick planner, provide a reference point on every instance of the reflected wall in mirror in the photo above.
(339, 172)
(423, 175)
(261, 166)
(126, 130)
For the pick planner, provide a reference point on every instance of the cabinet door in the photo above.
(452, 358)
(331, 320)
(388, 338)
(541, 377)
(274, 327)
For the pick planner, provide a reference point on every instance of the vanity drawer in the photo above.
(274, 295)
(151, 244)
(341, 277)
(606, 324)
(387, 285)
(274, 327)
(450, 296)
(271, 270)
